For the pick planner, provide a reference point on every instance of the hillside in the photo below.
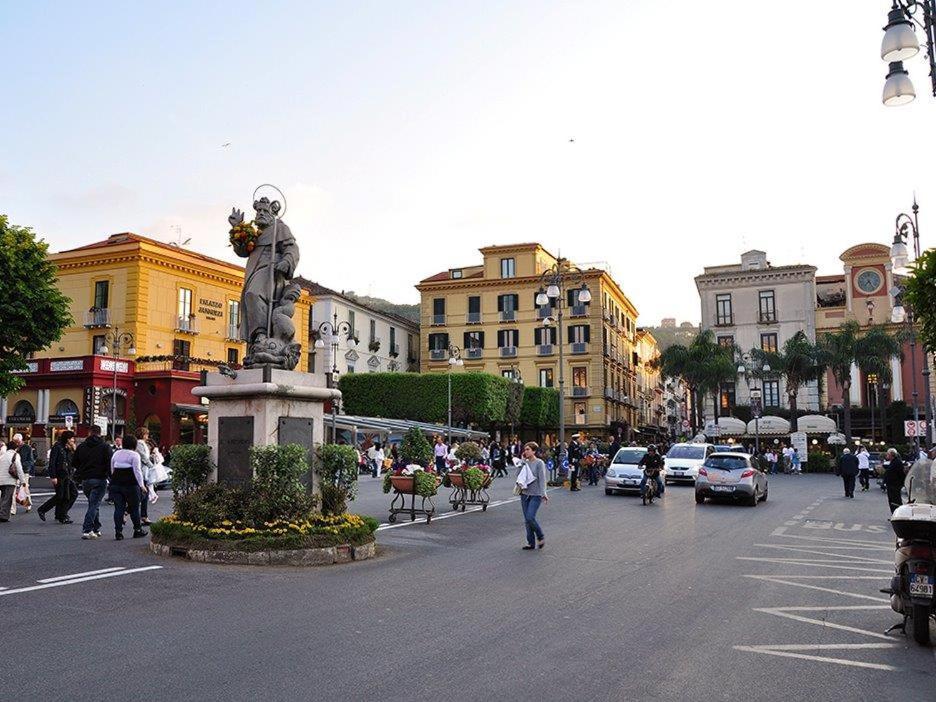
(410, 312)
(669, 336)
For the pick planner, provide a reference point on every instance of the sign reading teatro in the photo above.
(210, 308)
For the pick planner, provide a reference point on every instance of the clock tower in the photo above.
(867, 282)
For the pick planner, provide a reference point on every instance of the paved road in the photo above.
(668, 602)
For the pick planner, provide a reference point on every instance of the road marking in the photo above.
(861, 559)
(783, 612)
(869, 545)
(777, 651)
(810, 563)
(831, 577)
(780, 581)
(79, 575)
(60, 583)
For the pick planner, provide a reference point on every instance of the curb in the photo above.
(305, 557)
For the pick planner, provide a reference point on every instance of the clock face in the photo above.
(868, 281)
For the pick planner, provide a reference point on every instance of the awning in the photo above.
(768, 426)
(189, 409)
(731, 426)
(816, 424)
(394, 426)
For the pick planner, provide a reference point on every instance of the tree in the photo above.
(921, 295)
(838, 350)
(874, 351)
(703, 366)
(34, 312)
(800, 362)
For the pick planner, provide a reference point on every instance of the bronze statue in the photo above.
(268, 299)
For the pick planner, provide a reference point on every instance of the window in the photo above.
(456, 273)
(726, 396)
(312, 361)
(232, 357)
(580, 377)
(350, 368)
(373, 331)
(438, 342)
(580, 409)
(572, 297)
(393, 346)
(723, 310)
(97, 342)
(771, 393)
(185, 303)
(545, 377)
(508, 305)
(726, 341)
(579, 333)
(543, 336)
(101, 294)
(507, 338)
(508, 268)
(233, 319)
(182, 350)
(767, 306)
(351, 322)
(474, 340)
(768, 342)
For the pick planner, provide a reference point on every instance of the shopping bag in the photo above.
(22, 496)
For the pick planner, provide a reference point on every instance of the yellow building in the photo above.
(489, 311)
(651, 413)
(177, 311)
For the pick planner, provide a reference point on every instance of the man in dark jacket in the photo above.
(92, 468)
(60, 471)
(848, 469)
(893, 478)
(615, 447)
(575, 455)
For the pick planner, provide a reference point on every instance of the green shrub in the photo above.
(415, 449)
(277, 490)
(540, 408)
(468, 452)
(191, 467)
(426, 485)
(334, 499)
(337, 465)
(819, 462)
(211, 504)
(474, 478)
(370, 523)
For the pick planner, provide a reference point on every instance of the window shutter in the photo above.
(500, 303)
(466, 342)
(587, 333)
(481, 340)
(571, 333)
(500, 339)
(515, 299)
(514, 337)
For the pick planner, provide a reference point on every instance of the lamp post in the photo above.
(900, 43)
(117, 340)
(905, 226)
(455, 360)
(332, 330)
(554, 282)
(872, 399)
(516, 378)
(751, 367)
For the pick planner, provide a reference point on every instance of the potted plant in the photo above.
(374, 345)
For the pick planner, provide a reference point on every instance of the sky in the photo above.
(408, 134)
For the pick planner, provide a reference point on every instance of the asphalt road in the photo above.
(672, 601)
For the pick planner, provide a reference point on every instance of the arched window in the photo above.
(66, 407)
(24, 408)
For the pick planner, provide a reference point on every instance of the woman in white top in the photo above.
(8, 482)
(142, 447)
(864, 469)
(126, 486)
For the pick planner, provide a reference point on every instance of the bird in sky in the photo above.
(225, 145)
(571, 141)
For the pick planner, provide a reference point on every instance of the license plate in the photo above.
(630, 482)
(723, 488)
(921, 585)
(678, 473)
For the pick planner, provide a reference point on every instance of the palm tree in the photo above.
(697, 367)
(874, 351)
(799, 363)
(838, 350)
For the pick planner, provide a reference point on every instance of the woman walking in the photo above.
(532, 483)
(11, 474)
(146, 465)
(127, 486)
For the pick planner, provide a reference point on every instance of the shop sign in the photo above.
(92, 402)
(210, 308)
(21, 420)
(108, 364)
(62, 418)
(30, 368)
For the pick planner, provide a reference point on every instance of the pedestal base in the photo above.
(262, 406)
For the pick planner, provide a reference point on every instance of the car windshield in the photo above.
(686, 452)
(726, 448)
(726, 462)
(629, 456)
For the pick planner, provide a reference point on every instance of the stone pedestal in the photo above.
(262, 406)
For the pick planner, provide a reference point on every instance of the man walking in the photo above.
(864, 469)
(60, 471)
(848, 469)
(92, 467)
(440, 451)
(893, 478)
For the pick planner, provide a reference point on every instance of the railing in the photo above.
(579, 348)
(474, 353)
(179, 365)
(233, 332)
(609, 394)
(579, 311)
(473, 318)
(438, 320)
(543, 312)
(508, 351)
(438, 354)
(394, 350)
(508, 316)
(768, 319)
(544, 350)
(724, 321)
(99, 317)
(186, 325)
(579, 392)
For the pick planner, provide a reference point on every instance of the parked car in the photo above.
(684, 460)
(730, 448)
(623, 473)
(731, 475)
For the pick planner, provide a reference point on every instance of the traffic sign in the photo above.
(915, 427)
(685, 424)
(69, 421)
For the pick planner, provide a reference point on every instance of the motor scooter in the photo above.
(911, 587)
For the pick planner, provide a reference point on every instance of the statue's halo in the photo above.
(274, 203)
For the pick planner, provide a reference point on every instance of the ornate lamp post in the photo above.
(515, 377)
(117, 340)
(750, 367)
(872, 399)
(554, 282)
(332, 330)
(455, 360)
(905, 226)
(900, 43)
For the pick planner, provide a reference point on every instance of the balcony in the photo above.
(438, 320)
(474, 353)
(767, 319)
(579, 311)
(724, 321)
(185, 325)
(544, 350)
(394, 350)
(610, 394)
(97, 317)
(508, 316)
(544, 312)
(508, 351)
(579, 392)
(473, 318)
(579, 348)
(438, 354)
(233, 333)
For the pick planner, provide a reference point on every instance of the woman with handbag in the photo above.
(11, 474)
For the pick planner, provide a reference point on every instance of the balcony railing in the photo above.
(770, 318)
(474, 353)
(394, 350)
(97, 317)
(579, 348)
(579, 392)
(438, 320)
(724, 321)
(579, 311)
(185, 325)
(543, 312)
(438, 354)
(609, 394)
(473, 318)
(544, 350)
(508, 316)
(233, 332)
(508, 351)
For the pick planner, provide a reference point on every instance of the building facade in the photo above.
(489, 311)
(756, 305)
(180, 310)
(651, 404)
(380, 342)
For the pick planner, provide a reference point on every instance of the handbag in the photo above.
(14, 473)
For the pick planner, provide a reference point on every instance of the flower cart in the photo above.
(419, 484)
(469, 487)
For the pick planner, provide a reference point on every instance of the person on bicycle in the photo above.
(652, 464)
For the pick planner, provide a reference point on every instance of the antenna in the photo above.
(178, 243)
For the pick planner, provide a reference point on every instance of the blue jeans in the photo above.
(440, 464)
(530, 504)
(94, 490)
(659, 482)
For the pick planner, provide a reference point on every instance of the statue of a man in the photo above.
(256, 302)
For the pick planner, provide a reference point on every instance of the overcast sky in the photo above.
(408, 134)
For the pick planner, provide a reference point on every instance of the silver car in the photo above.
(624, 474)
(731, 475)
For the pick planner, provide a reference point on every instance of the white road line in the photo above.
(810, 563)
(79, 575)
(831, 577)
(861, 559)
(822, 659)
(829, 608)
(868, 545)
(782, 612)
(780, 581)
(77, 580)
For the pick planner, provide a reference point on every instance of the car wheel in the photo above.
(753, 500)
(699, 498)
(764, 498)
(608, 492)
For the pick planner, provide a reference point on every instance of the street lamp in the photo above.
(516, 378)
(749, 367)
(455, 361)
(118, 340)
(872, 398)
(554, 281)
(332, 330)
(900, 43)
(905, 226)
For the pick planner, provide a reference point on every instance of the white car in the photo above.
(684, 460)
(624, 474)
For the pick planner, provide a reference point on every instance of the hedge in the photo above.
(540, 408)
